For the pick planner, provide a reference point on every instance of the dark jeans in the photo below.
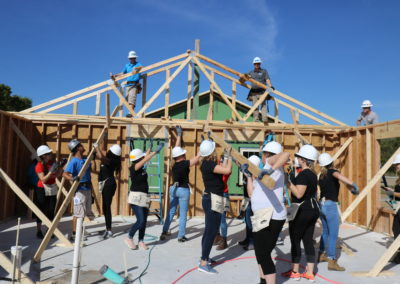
(249, 227)
(141, 214)
(212, 222)
(265, 242)
(46, 204)
(396, 233)
(302, 229)
(108, 193)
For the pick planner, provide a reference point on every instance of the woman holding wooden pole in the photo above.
(213, 200)
(329, 185)
(45, 194)
(395, 194)
(303, 213)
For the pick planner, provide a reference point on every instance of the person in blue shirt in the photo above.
(83, 194)
(133, 86)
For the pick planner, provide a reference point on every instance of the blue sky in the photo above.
(328, 54)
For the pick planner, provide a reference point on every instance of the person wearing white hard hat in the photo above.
(329, 186)
(138, 194)
(394, 193)
(45, 193)
(133, 86)
(367, 116)
(260, 75)
(268, 208)
(212, 201)
(303, 213)
(83, 194)
(179, 192)
(110, 164)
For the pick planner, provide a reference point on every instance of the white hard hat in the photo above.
(273, 147)
(255, 160)
(178, 151)
(308, 152)
(366, 103)
(325, 159)
(206, 148)
(44, 149)
(72, 144)
(296, 162)
(257, 60)
(132, 54)
(136, 154)
(116, 149)
(396, 159)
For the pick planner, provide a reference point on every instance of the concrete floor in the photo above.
(170, 260)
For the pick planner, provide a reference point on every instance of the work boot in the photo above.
(333, 265)
(217, 239)
(164, 235)
(222, 244)
(323, 257)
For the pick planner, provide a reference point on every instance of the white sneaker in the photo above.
(107, 234)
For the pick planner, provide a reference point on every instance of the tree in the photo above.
(388, 146)
(11, 102)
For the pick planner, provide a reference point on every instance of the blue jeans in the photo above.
(249, 226)
(224, 226)
(141, 220)
(212, 222)
(178, 195)
(330, 228)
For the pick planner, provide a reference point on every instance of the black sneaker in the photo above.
(164, 235)
(39, 235)
(249, 247)
(72, 238)
(183, 239)
(243, 243)
(129, 115)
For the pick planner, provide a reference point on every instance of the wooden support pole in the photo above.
(108, 110)
(368, 162)
(217, 88)
(255, 106)
(75, 108)
(144, 90)
(122, 99)
(22, 137)
(61, 187)
(267, 180)
(166, 83)
(342, 148)
(8, 266)
(166, 107)
(167, 153)
(369, 186)
(233, 96)
(98, 96)
(25, 199)
(189, 91)
(303, 141)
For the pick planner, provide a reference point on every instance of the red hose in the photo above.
(249, 257)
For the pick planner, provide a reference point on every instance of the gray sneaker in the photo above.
(207, 269)
(107, 234)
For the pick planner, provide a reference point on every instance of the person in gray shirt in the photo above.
(367, 116)
(262, 76)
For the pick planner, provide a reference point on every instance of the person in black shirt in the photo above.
(140, 187)
(301, 228)
(110, 164)
(329, 185)
(213, 191)
(395, 194)
(179, 192)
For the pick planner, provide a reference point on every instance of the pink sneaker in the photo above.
(130, 243)
(142, 245)
(291, 274)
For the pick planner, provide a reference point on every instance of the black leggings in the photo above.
(108, 193)
(46, 204)
(396, 233)
(264, 243)
(212, 222)
(302, 229)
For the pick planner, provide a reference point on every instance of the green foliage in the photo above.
(388, 146)
(10, 102)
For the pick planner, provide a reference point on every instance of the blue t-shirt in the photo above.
(128, 68)
(75, 166)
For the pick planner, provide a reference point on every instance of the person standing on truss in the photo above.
(260, 75)
(133, 86)
(367, 116)
(179, 192)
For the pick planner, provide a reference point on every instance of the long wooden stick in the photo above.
(253, 108)
(369, 186)
(28, 202)
(8, 266)
(267, 180)
(385, 258)
(122, 99)
(223, 96)
(209, 60)
(342, 148)
(61, 188)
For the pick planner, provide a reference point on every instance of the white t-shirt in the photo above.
(264, 197)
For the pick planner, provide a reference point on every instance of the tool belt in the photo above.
(140, 199)
(217, 203)
(87, 184)
(102, 184)
(50, 189)
(292, 211)
(132, 83)
(261, 218)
